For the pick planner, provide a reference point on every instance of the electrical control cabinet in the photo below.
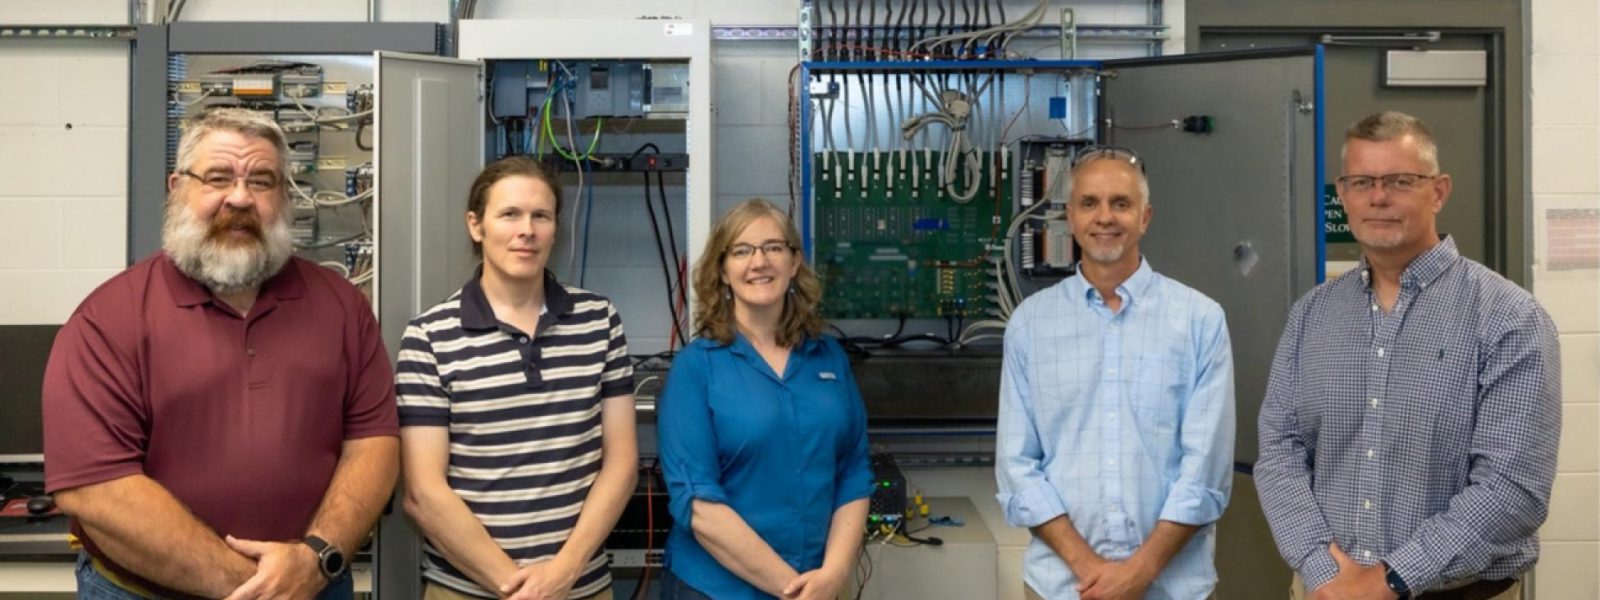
(329, 140)
(633, 149)
(626, 120)
(935, 196)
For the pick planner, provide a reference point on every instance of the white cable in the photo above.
(572, 229)
(1011, 29)
(335, 199)
(197, 100)
(640, 386)
(337, 266)
(849, 136)
(1007, 267)
(953, 114)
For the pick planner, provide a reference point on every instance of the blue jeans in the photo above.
(94, 586)
(673, 588)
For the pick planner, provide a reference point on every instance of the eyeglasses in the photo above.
(771, 250)
(1090, 153)
(1395, 182)
(219, 181)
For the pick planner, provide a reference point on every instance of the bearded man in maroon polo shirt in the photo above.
(219, 418)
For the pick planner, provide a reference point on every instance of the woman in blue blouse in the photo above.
(762, 431)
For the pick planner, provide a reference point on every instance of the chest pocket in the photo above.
(1159, 389)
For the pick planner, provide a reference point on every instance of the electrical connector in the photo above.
(1197, 124)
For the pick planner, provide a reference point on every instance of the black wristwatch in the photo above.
(329, 559)
(1396, 584)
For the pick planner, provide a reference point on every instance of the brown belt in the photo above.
(1477, 590)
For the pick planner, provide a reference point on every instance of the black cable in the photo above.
(666, 272)
(921, 337)
(856, 351)
(872, 30)
(646, 146)
(922, 26)
(861, 32)
(884, 341)
(967, 24)
(849, 44)
(672, 239)
(1001, 8)
(833, 33)
(988, 23)
(891, 24)
(928, 541)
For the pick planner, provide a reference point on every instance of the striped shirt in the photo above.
(524, 416)
(1424, 437)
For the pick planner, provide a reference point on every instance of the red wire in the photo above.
(650, 524)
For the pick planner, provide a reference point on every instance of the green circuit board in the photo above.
(890, 242)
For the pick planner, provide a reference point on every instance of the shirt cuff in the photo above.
(1318, 568)
(1415, 567)
(710, 492)
(1032, 506)
(1193, 505)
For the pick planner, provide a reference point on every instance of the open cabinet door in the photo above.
(1238, 213)
(429, 147)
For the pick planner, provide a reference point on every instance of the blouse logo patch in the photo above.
(827, 376)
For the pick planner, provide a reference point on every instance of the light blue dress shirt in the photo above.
(1117, 420)
(784, 452)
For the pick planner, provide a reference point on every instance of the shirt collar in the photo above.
(741, 345)
(287, 283)
(1423, 269)
(475, 310)
(1136, 286)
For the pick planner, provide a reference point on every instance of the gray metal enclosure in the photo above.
(1235, 209)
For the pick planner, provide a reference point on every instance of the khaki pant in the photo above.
(1029, 594)
(434, 591)
(1297, 591)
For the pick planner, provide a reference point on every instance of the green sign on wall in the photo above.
(1336, 226)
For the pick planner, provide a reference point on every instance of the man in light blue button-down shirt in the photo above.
(1115, 443)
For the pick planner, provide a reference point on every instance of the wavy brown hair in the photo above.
(713, 315)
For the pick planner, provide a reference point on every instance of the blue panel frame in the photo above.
(1322, 170)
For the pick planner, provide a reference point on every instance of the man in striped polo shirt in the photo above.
(516, 410)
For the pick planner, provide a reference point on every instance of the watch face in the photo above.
(333, 564)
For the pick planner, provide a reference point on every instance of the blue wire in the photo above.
(588, 210)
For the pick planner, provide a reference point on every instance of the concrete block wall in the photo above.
(63, 190)
(1566, 176)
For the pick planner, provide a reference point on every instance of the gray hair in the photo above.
(243, 121)
(1393, 125)
(1144, 180)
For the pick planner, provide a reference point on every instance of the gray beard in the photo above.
(224, 269)
(1106, 256)
(1381, 241)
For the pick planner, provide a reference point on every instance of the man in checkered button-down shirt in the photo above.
(1408, 436)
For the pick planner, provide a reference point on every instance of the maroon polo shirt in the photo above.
(240, 417)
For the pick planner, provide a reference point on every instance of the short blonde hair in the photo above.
(1393, 125)
(713, 315)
